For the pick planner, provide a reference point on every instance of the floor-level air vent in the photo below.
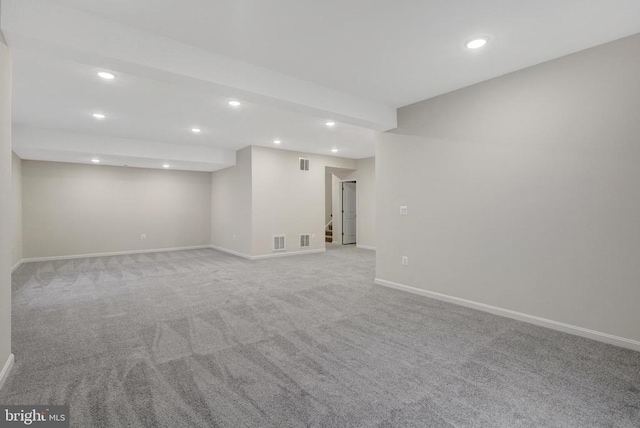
(304, 164)
(279, 243)
(304, 241)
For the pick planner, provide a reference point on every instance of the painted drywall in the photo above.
(328, 202)
(6, 211)
(231, 205)
(16, 191)
(73, 209)
(336, 206)
(289, 201)
(365, 177)
(522, 192)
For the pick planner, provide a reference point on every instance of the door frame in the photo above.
(342, 210)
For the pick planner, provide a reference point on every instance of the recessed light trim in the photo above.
(477, 42)
(106, 75)
(166, 165)
(95, 160)
(331, 124)
(196, 130)
(334, 150)
(234, 103)
(277, 141)
(98, 116)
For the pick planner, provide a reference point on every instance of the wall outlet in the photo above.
(404, 210)
(405, 261)
(143, 236)
(313, 236)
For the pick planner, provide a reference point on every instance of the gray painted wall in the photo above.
(231, 205)
(523, 192)
(289, 201)
(266, 194)
(16, 190)
(6, 211)
(365, 177)
(71, 209)
(328, 202)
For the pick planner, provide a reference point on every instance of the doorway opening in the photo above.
(349, 213)
(335, 178)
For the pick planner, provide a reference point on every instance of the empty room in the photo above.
(240, 213)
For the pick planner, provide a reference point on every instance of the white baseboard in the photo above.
(116, 253)
(289, 253)
(4, 374)
(365, 247)
(267, 256)
(234, 253)
(17, 265)
(555, 325)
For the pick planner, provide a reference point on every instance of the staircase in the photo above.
(328, 232)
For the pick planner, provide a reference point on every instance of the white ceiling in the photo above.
(293, 64)
(396, 52)
(62, 95)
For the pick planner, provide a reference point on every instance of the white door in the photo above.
(349, 212)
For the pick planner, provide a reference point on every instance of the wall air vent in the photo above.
(304, 164)
(304, 241)
(279, 243)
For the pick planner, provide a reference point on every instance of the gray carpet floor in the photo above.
(201, 338)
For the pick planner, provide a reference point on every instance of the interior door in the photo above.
(349, 212)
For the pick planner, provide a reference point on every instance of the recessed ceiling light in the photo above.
(166, 165)
(277, 141)
(331, 124)
(477, 42)
(334, 150)
(106, 75)
(196, 130)
(95, 160)
(98, 116)
(234, 103)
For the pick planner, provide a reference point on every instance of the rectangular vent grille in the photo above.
(304, 241)
(304, 164)
(279, 243)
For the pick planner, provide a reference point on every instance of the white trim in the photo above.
(555, 325)
(288, 253)
(17, 265)
(234, 253)
(116, 253)
(268, 256)
(4, 374)
(365, 247)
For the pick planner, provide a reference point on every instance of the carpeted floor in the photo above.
(201, 338)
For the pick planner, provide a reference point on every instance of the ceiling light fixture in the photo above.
(277, 141)
(331, 124)
(95, 160)
(166, 165)
(196, 130)
(234, 103)
(106, 75)
(99, 116)
(334, 150)
(477, 42)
